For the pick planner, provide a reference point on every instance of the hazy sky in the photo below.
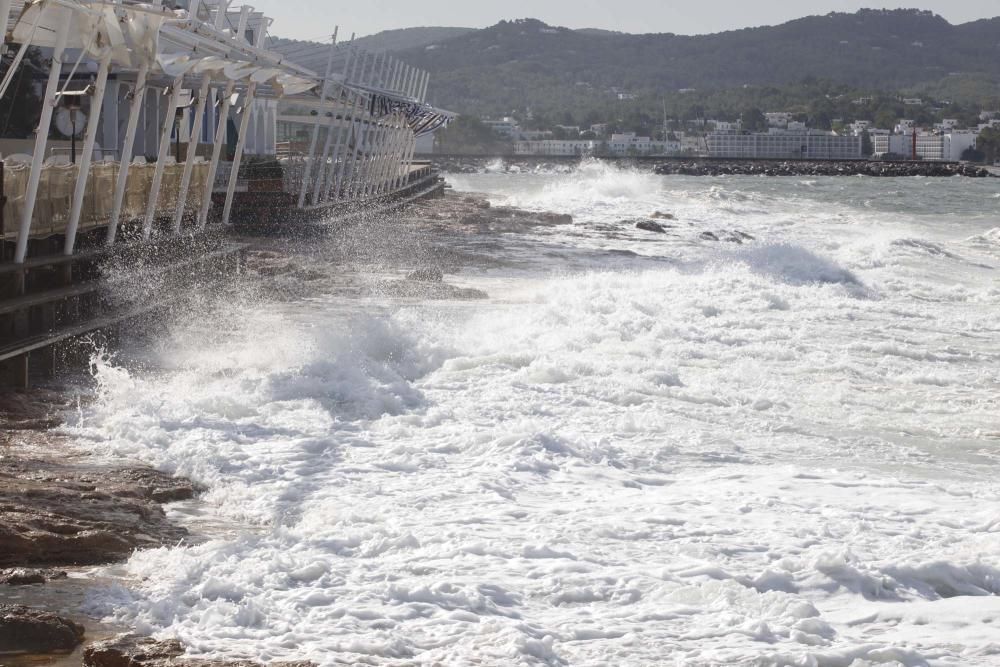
(312, 19)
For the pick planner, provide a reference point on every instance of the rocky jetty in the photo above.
(818, 168)
(133, 651)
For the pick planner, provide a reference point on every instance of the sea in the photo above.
(769, 435)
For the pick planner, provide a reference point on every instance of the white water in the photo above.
(775, 453)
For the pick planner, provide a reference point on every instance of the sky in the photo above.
(315, 19)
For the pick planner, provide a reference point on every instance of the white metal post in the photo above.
(423, 88)
(161, 157)
(327, 84)
(220, 139)
(344, 101)
(408, 162)
(222, 10)
(97, 101)
(192, 152)
(4, 16)
(125, 160)
(42, 139)
(241, 143)
(378, 152)
(360, 137)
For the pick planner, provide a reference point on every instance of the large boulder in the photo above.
(30, 631)
(650, 226)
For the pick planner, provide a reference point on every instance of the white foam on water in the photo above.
(778, 453)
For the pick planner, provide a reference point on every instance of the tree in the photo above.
(469, 135)
(973, 155)
(989, 144)
(754, 120)
(867, 148)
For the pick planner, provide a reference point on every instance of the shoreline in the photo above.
(102, 510)
(706, 166)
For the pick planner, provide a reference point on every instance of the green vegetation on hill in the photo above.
(526, 64)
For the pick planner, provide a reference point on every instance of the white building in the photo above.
(622, 145)
(556, 147)
(859, 127)
(807, 146)
(904, 126)
(505, 126)
(947, 147)
(778, 118)
(726, 126)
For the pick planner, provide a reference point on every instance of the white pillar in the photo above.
(161, 157)
(423, 88)
(360, 135)
(315, 133)
(343, 136)
(42, 139)
(96, 104)
(125, 159)
(213, 167)
(192, 150)
(238, 156)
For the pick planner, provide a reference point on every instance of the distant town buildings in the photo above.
(506, 126)
(621, 145)
(785, 138)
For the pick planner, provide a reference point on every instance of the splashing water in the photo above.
(729, 458)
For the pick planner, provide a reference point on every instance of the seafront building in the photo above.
(807, 145)
(925, 145)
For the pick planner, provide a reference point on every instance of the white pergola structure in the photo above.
(217, 58)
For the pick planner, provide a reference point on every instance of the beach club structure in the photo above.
(172, 112)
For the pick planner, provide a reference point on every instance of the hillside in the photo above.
(314, 54)
(528, 64)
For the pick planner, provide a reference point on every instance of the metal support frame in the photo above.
(241, 143)
(327, 84)
(192, 150)
(41, 140)
(161, 157)
(80, 191)
(220, 138)
(125, 160)
(345, 131)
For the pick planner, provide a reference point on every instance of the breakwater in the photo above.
(702, 166)
(819, 168)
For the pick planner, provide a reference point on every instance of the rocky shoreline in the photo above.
(718, 167)
(63, 511)
(60, 510)
(874, 168)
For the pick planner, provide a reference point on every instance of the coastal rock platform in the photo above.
(133, 651)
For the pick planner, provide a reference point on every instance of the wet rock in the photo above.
(708, 236)
(25, 577)
(556, 218)
(426, 275)
(649, 226)
(743, 235)
(132, 651)
(53, 514)
(660, 215)
(30, 631)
